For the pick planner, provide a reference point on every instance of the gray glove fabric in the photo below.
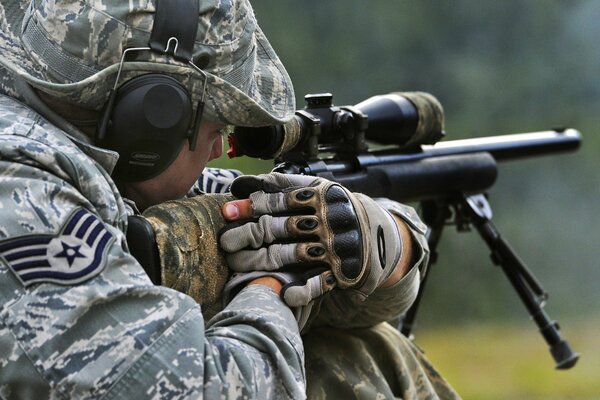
(299, 289)
(304, 222)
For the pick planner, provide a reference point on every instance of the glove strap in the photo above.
(385, 244)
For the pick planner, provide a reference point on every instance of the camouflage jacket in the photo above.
(79, 318)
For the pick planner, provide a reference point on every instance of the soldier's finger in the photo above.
(267, 230)
(298, 294)
(264, 259)
(268, 203)
(305, 199)
(276, 256)
(237, 210)
(253, 234)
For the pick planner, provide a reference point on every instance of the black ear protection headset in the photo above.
(148, 119)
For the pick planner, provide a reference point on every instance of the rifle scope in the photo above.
(405, 119)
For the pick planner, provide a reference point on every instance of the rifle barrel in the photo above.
(506, 147)
(442, 169)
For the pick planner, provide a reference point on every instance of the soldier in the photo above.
(156, 85)
(79, 317)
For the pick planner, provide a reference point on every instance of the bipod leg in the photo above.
(522, 279)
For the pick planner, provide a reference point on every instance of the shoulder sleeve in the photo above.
(79, 310)
(251, 349)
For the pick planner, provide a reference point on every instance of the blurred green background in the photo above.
(497, 67)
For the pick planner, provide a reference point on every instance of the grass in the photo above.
(512, 362)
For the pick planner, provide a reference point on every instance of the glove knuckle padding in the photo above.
(186, 237)
(337, 226)
(349, 232)
(346, 234)
(300, 226)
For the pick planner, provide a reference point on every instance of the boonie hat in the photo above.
(71, 49)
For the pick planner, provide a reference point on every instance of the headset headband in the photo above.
(129, 124)
(176, 19)
(175, 23)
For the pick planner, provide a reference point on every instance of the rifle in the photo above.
(449, 179)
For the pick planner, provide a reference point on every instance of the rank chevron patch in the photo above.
(75, 254)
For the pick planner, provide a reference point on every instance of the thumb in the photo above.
(297, 294)
(237, 210)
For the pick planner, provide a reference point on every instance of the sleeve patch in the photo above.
(75, 254)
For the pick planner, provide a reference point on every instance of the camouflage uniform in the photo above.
(79, 318)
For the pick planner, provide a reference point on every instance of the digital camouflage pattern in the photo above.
(114, 334)
(87, 340)
(369, 363)
(71, 49)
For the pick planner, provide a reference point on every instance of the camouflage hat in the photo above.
(71, 50)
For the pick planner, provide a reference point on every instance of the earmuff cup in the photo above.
(148, 124)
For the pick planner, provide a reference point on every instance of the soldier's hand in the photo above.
(313, 225)
(301, 303)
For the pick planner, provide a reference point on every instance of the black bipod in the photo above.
(475, 210)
